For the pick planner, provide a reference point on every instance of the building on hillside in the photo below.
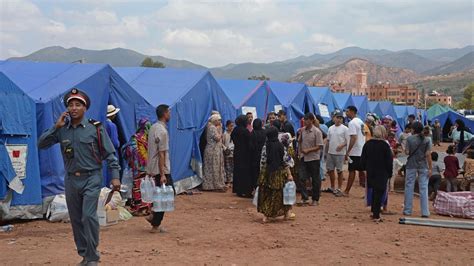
(400, 94)
(337, 87)
(361, 83)
(439, 98)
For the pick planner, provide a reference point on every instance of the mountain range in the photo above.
(413, 62)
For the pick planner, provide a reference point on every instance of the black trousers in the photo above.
(377, 196)
(433, 185)
(158, 216)
(311, 170)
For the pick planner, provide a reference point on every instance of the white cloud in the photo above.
(186, 37)
(326, 43)
(289, 47)
(279, 28)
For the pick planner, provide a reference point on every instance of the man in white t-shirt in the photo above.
(336, 150)
(356, 143)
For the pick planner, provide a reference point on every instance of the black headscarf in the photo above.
(241, 121)
(259, 136)
(461, 128)
(275, 150)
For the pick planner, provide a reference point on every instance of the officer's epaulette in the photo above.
(95, 122)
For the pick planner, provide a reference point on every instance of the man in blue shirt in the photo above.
(112, 131)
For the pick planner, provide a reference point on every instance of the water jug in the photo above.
(158, 200)
(127, 183)
(169, 199)
(289, 193)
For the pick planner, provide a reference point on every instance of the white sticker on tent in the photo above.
(18, 154)
(250, 109)
(323, 110)
(278, 108)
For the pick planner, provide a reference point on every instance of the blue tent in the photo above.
(47, 83)
(18, 127)
(362, 104)
(402, 114)
(323, 95)
(375, 108)
(387, 109)
(448, 118)
(192, 95)
(250, 93)
(295, 98)
(343, 100)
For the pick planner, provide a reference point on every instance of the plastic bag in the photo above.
(57, 210)
(255, 198)
(147, 189)
(289, 193)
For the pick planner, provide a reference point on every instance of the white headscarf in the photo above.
(215, 117)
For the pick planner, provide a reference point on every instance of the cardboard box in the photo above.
(112, 216)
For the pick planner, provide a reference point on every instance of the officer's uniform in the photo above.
(83, 158)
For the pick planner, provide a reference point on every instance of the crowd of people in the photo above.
(256, 159)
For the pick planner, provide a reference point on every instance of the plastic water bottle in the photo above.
(6, 228)
(158, 200)
(289, 193)
(127, 182)
(170, 198)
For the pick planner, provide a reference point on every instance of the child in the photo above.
(451, 163)
(469, 169)
(228, 153)
(404, 136)
(435, 178)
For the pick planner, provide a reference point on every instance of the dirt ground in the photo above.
(221, 229)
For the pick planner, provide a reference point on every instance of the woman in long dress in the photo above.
(259, 136)
(242, 183)
(213, 170)
(377, 160)
(274, 173)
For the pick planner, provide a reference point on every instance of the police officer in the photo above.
(84, 145)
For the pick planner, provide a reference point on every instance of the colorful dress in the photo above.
(228, 157)
(270, 188)
(213, 170)
(135, 153)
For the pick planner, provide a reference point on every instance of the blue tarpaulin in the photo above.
(343, 100)
(375, 108)
(47, 83)
(295, 98)
(362, 104)
(18, 127)
(402, 114)
(325, 96)
(250, 93)
(192, 95)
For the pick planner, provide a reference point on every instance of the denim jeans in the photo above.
(410, 179)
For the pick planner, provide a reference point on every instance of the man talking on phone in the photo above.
(84, 145)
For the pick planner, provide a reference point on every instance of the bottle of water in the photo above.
(289, 193)
(127, 182)
(158, 200)
(6, 228)
(170, 198)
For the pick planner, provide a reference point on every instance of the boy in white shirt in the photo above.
(336, 149)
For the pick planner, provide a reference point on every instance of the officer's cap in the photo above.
(77, 95)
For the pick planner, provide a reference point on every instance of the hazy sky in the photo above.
(215, 33)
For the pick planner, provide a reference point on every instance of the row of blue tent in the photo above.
(31, 101)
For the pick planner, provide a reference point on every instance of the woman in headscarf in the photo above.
(274, 173)
(213, 169)
(437, 133)
(242, 183)
(259, 137)
(135, 153)
(460, 135)
(377, 160)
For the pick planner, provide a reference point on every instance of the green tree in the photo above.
(262, 77)
(148, 62)
(468, 101)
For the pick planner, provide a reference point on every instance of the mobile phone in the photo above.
(67, 118)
